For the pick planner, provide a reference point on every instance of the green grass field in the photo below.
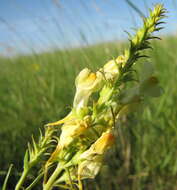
(38, 89)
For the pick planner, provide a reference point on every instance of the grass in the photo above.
(38, 89)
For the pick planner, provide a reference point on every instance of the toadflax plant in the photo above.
(101, 100)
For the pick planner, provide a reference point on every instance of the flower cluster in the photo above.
(102, 98)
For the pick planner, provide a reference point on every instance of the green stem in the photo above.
(22, 179)
(51, 181)
(34, 182)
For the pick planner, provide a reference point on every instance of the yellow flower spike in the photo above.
(87, 82)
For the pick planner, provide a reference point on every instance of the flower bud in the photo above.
(111, 70)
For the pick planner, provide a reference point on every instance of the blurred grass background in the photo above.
(37, 89)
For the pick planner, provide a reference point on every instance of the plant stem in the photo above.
(34, 182)
(50, 182)
(22, 179)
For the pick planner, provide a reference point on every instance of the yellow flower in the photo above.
(106, 140)
(91, 160)
(73, 129)
(111, 69)
(87, 82)
(70, 131)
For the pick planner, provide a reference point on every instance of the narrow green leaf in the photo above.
(26, 160)
(7, 177)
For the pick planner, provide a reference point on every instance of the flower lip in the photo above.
(104, 142)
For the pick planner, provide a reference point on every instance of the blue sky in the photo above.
(41, 25)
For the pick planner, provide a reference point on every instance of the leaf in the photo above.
(26, 160)
(7, 177)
